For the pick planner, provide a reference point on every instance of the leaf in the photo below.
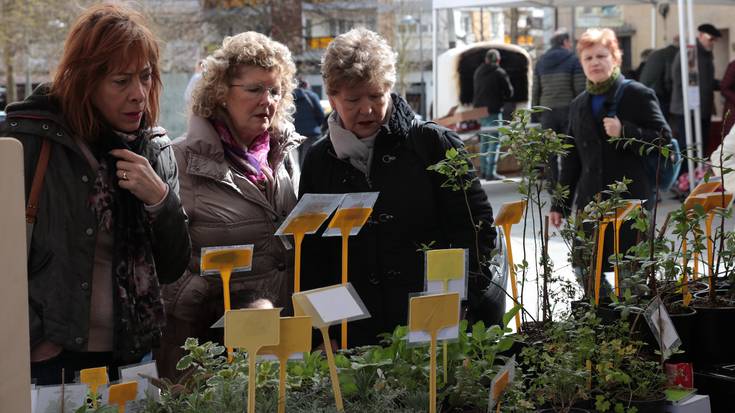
(510, 314)
(505, 343)
(184, 363)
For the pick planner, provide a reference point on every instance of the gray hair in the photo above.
(358, 56)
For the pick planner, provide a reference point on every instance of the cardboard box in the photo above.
(454, 118)
(696, 404)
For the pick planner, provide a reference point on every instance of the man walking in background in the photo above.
(656, 73)
(708, 35)
(492, 88)
(557, 79)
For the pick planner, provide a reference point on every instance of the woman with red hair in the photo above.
(610, 107)
(109, 225)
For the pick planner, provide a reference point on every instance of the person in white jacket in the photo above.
(726, 152)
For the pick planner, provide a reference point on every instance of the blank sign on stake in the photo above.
(252, 329)
(446, 271)
(327, 306)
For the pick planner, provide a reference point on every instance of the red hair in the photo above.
(604, 37)
(104, 39)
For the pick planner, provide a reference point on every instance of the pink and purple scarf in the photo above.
(251, 161)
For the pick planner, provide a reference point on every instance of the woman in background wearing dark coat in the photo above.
(374, 143)
(594, 162)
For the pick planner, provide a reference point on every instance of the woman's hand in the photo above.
(555, 219)
(137, 176)
(613, 127)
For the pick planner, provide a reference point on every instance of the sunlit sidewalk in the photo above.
(500, 192)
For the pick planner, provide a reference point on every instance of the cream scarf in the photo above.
(348, 146)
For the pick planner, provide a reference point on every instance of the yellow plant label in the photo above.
(227, 258)
(704, 187)
(510, 213)
(252, 328)
(501, 384)
(306, 223)
(348, 218)
(718, 200)
(622, 213)
(430, 313)
(123, 393)
(692, 201)
(94, 378)
(295, 337)
(445, 264)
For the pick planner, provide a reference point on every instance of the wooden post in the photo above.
(15, 376)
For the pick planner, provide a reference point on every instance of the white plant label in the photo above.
(312, 204)
(353, 200)
(661, 325)
(146, 389)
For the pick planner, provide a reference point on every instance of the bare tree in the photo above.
(27, 29)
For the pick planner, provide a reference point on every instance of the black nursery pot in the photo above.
(713, 328)
(685, 324)
(645, 406)
(642, 331)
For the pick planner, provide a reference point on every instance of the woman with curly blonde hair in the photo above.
(236, 173)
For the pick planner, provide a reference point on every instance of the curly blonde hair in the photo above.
(358, 56)
(245, 49)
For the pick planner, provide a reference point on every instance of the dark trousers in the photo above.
(679, 130)
(46, 373)
(558, 121)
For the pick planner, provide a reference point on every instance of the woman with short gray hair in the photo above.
(375, 144)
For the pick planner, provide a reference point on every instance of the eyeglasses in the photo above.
(256, 91)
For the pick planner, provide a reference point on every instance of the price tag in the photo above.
(661, 325)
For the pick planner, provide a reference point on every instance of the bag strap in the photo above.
(613, 111)
(37, 184)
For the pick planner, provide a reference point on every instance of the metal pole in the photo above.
(698, 109)
(29, 85)
(684, 66)
(421, 68)
(434, 73)
(653, 26)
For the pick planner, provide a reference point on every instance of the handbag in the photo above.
(36, 186)
(668, 169)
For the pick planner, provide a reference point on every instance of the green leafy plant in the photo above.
(532, 147)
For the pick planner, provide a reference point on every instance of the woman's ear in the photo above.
(331, 102)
